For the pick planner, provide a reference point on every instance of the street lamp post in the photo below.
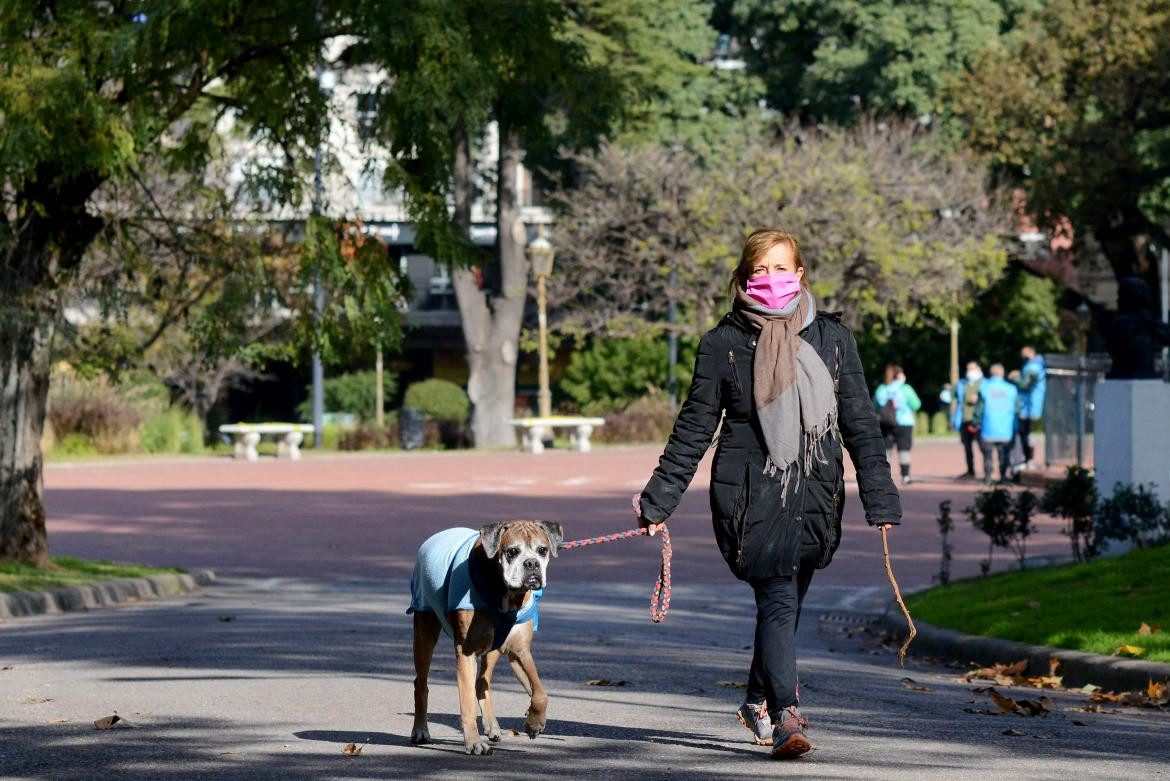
(541, 252)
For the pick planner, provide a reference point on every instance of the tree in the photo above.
(1076, 105)
(460, 65)
(95, 96)
(835, 60)
(892, 225)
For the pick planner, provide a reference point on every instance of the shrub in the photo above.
(940, 423)
(921, 424)
(647, 419)
(439, 399)
(94, 410)
(1006, 521)
(1133, 513)
(353, 392)
(174, 430)
(1075, 500)
(610, 374)
(74, 444)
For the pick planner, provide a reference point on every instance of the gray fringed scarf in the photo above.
(794, 395)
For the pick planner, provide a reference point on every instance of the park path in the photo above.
(269, 679)
(304, 646)
(356, 516)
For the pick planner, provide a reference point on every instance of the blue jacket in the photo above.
(906, 401)
(997, 402)
(964, 411)
(1031, 385)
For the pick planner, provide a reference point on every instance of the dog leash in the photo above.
(660, 599)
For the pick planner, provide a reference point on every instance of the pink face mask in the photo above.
(774, 291)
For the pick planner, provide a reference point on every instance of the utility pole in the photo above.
(954, 341)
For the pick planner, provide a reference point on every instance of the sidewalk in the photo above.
(268, 679)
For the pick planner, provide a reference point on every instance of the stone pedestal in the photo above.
(1131, 421)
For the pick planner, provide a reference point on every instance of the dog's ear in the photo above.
(554, 533)
(491, 535)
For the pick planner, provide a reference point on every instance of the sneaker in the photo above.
(906, 480)
(755, 718)
(966, 476)
(788, 738)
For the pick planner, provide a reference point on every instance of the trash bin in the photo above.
(411, 428)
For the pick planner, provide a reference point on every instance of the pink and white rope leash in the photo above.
(660, 598)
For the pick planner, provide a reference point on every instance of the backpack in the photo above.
(888, 415)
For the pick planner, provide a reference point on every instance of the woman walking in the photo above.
(784, 378)
(897, 404)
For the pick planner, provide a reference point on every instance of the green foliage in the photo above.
(68, 571)
(1092, 607)
(441, 400)
(1075, 500)
(1075, 105)
(831, 60)
(353, 392)
(611, 373)
(647, 419)
(1134, 514)
(1006, 520)
(173, 430)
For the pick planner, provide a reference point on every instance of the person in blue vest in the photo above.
(1030, 381)
(996, 412)
(897, 404)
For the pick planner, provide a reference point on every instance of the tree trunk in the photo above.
(491, 326)
(26, 339)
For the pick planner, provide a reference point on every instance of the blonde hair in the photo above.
(756, 246)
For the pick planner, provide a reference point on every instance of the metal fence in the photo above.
(1072, 380)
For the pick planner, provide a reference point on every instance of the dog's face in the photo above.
(523, 549)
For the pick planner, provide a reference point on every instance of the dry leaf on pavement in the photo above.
(909, 683)
(606, 682)
(352, 749)
(107, 722)
(1015, 733)
(731, 685)
(36, 700)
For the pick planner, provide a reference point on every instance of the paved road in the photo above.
(304, 645)
(304, 667)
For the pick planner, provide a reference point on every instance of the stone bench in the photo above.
(534, 430)
(246, 437)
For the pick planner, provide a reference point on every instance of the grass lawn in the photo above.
(66, 571)
(1094, 607)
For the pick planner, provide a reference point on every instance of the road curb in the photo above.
(103, 593)
(1076, 667)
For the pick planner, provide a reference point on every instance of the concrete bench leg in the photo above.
(534, 439)
(290, 446)
(579, 439)
(246, 446)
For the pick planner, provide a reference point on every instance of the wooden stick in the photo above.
(901, 604)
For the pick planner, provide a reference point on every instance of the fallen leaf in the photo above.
(731, 684)
(59, 721)
(351, 750)
(1146, 629)
(1080, 723)
(1157, 691)
(1130, 650)
(1090, 688)
(5, 667)
(1040, 707)
(225, 619)
(608, 682)
(36, 700)
(514, 733)
(1015, 669)
(909, 683)
(1053, 666)
(107, 722)
(1015, 733)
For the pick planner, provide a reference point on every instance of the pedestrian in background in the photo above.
(897, 404)
(996, 412)
(1030, 381)
(963, 418)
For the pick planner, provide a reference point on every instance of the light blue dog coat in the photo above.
(443, 581)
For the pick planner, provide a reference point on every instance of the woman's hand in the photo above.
(885, 526)
(642, 522)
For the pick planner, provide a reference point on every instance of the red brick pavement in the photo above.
(364, 516)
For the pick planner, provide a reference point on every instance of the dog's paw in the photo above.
(534, 725)
(420, 735)
(479, 748)
(494, 734)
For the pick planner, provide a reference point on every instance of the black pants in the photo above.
(901, 437)
(969, 438)
(1004, 450)
(1025, 432)
(778, 600)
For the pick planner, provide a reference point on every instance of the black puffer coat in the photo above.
(758, 535)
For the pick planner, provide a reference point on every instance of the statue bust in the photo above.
(1134, 337)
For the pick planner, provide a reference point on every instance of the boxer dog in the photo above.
(482, 589)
